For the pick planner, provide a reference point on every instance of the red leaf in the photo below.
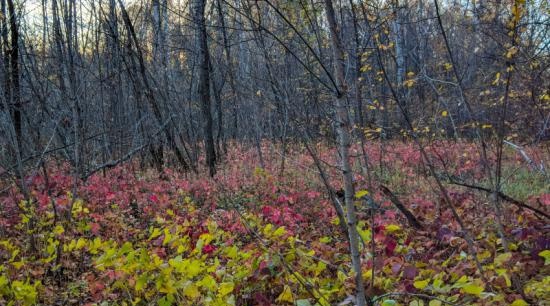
(153, 198)
(391, 244)
(208, 249)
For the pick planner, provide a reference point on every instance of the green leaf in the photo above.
(208, 282)
(303, 302)
(279, 232)
(155, 233)
(502, 258)
(226, 288)
(435, 303)
(472, 288)
(421, 284)
(192, 291)
(3, 281)
(267, 229)
(194, 267)
(232, 252)
(165, 301)
(519, 302)
(141, 282)
(389, 303)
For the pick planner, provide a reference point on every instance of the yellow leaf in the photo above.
(502, 258)
(483, 255)
(226, 288)
(155, 233)
(208, 282)
(421, 284)
(279, 232)
(511, 52)
(232, 252)
(365, 234)
(341, 276)
(286, 295)
(17, 264)
(519, 302)
(25, 219)
(502, 272)
(546, 255)
(472, 288)
(463, 279)
(444, 113)
(192, 291)
(392, 228)
(409, 83)
(267, 229)
(321, 266)
(141, 282)
(58, 230)
(497, 78)
(80, 243)
(206, 238)
(361, 193)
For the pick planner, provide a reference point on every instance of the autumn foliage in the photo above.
(256, 236)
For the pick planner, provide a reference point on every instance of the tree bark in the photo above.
(204, 83)
(343, 130)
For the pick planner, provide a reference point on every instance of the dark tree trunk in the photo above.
(204, 83)
(14, 73)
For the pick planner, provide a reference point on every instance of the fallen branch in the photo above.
(526, 157)
(503, 196)
(393, 198)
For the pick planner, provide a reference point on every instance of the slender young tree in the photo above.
(344, 136)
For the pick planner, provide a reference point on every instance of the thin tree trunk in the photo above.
(343, 130)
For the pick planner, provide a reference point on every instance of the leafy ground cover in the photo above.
(259, 236)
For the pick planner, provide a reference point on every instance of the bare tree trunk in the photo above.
(204, 83)
(343, 130)
(14, 74)
(230, 72)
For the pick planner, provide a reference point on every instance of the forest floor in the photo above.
(262, 236)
